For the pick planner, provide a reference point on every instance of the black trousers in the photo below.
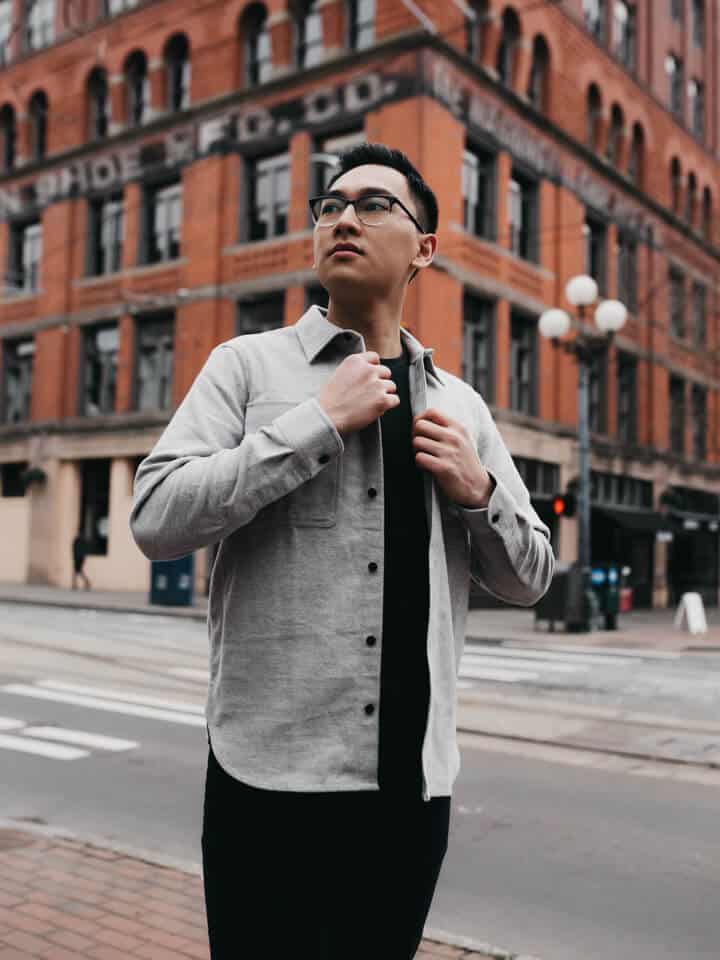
(328, 876)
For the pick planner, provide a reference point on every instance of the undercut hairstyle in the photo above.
(379, 154)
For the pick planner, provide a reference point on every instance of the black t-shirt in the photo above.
(404, 676)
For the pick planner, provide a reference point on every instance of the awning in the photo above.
(647, 521)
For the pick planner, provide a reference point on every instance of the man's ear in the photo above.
(426, 254)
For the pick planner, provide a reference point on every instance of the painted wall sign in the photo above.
(236, 126)
(491, 119)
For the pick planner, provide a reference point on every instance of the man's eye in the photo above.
(330, 206)
(374, 203)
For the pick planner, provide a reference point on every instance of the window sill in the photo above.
(95, 280)
(144, 268)
(14, 297)
(243, 245)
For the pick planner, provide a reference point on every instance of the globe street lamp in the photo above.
(610, 316)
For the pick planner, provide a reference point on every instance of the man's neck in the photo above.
(378, 324)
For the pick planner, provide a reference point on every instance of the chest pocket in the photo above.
(313, 503)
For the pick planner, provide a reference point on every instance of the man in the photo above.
(353, 487)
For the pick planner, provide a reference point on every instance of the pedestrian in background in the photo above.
(79, 551)
(354, 488)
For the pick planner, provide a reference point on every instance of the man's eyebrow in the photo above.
(365, 192)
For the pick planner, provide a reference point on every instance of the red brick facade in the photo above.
(443, 101)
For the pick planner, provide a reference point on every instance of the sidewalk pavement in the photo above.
(514, 626)
(64, 899)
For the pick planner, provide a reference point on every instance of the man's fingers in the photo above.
(435, 416)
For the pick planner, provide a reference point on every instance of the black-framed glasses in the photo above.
(372, 209)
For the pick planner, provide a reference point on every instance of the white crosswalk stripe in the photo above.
(111, 701)
(524, 664)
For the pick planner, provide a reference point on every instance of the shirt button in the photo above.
(372, 566)
(496, 518)
(370, 641)
(372, 492)
(323, 458)
(369, 709)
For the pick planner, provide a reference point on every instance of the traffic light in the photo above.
(564, 504)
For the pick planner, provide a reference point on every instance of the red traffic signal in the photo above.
(564, 505)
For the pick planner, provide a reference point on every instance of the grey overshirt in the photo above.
(252, 461)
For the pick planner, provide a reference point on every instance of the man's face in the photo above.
(385, 250)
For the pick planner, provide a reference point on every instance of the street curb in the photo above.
(469, 943)
(152, 611)
(589, 748)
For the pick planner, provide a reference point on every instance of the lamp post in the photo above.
(609, 316)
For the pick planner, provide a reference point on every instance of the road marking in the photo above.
(53, 750)
(80, 737)
(523, 663)
(122, 695)
(506, 676)
(8, 723)
(548, 656)
(110, 706)
(619, 652)
(191, 673)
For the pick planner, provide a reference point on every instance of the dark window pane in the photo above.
(269, 196)
(11, 479)
(478, 186)
(677, 415)
(478, 344)
(257, 314)
(99, 370)
(627, 398)
(154, 366)
(95, 505)
(523, 363)
(17, 380)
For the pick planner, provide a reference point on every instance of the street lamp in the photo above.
(610, 316)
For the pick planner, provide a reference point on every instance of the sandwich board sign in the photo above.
(692, 609)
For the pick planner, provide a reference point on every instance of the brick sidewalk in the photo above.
(62, 899)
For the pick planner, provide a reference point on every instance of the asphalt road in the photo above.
(556, 859)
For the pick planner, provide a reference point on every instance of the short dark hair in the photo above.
(378, 153)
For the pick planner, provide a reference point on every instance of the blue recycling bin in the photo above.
(171, 582)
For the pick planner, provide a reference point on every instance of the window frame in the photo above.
(676, 302)
(677, 418)
(161, 323)
(479, 313)
(39, 31)
(519, 318)
(259, 303)
(357, 28)
(275, 162)
(87, 351)
(96, 264)
(22, 233)
(170, 190)
(595, 240)
(529, 206)
(627, 398)
(483, 222)
(15, 350)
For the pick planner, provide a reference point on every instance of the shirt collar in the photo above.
(315, 332)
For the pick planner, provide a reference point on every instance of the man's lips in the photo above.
(352, 251)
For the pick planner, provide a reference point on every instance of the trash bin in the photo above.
(605, 581)
(171, 582)
(552, 606)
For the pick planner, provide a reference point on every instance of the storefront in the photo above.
(693, 554)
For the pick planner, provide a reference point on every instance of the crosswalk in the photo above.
(527, 664)
(480, 664)
(58, 742)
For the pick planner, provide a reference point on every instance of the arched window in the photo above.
(691, 200)
(98, 104)
(539, 82)
(177, 72)
(675, 184)
(594, 116)
(256, 46)
(137, 88)
(707, 212)
(508, 47)
(308, 34)
(8, 132)
(38, 117)
(361, 24)
(636, 163)
(475, 30)
(617, 124)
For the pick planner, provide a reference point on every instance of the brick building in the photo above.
(155, 164)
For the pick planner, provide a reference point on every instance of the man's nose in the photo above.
(348, 217)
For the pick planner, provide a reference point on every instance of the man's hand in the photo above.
(444, 447)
